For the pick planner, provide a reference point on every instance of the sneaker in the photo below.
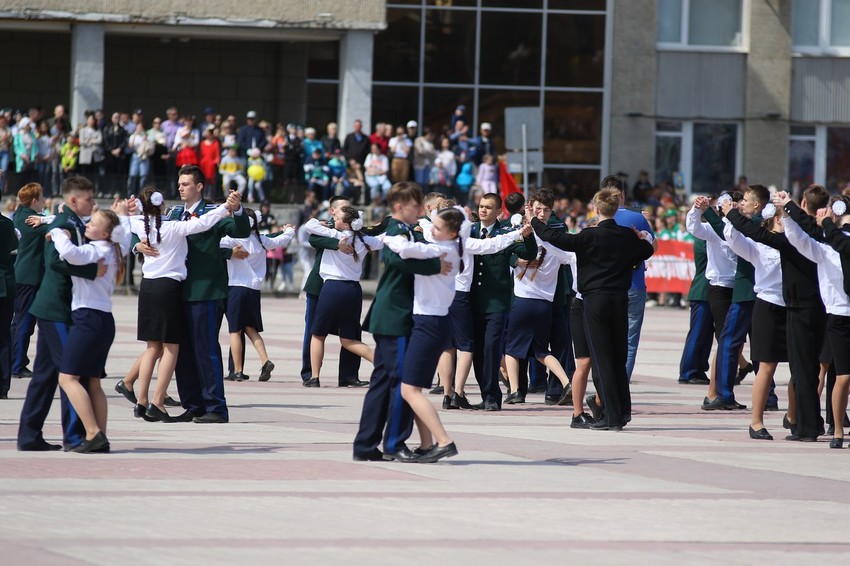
(581, 421)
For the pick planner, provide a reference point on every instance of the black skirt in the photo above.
(838, 337)
(161, 317)
(767, 337)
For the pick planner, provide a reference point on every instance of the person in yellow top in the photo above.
(70, 153)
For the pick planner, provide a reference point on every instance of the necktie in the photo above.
(186, 215)
(483, 233)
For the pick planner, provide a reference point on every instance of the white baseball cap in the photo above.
(486, 126)
(412, 124)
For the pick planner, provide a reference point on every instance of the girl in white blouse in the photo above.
(768, 343)
(160, 321)
(245, 279)
(93, 327)
(341, 299)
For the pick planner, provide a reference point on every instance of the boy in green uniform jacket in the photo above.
(200, 370)
(390, 320)
(52, 308)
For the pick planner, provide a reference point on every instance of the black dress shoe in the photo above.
(760, 434)
(718, 404)
(788, 424)
(97, 443)
(595, 409)
(836, 443)
(830, 431)
(404, 455)
(551, 399)
(157, 414)
(127, 393)
(266, 371)
(4, 395)
(373, 456)
(353, 383)
(460, 402)
(581, 421)
(771, 407)
(492, 406)
(603, 425)
(241, 376)
(186, 416)
(447, 403)
(742, 373)
(39, 447)
(697, 380)
(566, 397)
(514, 398)
(141, 412)
(438, 452)
(169, 402)
(420, 451)
(798, 438)
(312, 382)
(25, 373)
(538, 389)
(437, 390)
(231, 377)
(210, 418)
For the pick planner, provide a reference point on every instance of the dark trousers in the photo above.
(805, 333)
(698, 343)
(737, 325)
(385, 414)
(199, 371)
(486, 359)
(45, 378)
(349, 363)
(561, 344)
(23, 327)
(7, 309)
(606, 324)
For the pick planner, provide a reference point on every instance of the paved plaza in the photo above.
(278, 486)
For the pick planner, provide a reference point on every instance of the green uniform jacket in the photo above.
(8, 244)
(699, 285)
(206, 265)
(53, 299)
(492, 282)
(391, 313)
(745, 275)
(29, 266)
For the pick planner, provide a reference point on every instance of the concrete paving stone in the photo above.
(277, 484)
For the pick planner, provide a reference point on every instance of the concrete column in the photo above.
(633, 78)
(768, 92)
(355, 80)
(87, 70)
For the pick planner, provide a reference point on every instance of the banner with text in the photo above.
(671, 268)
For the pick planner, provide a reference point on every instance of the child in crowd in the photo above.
(245, 279)
(160, 321)
(488, 175)
(232, 169)
(341, 298)
(256, 174)
(93, 327)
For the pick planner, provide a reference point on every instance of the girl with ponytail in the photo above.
(245, 279)
(93, 326)
(341, 298)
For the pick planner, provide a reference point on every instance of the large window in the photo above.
(715, 24)
(818, 154)
(801, 158)
(821, 25)
(703, 156)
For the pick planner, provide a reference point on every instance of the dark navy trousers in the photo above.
(698, 343)
(22, 327)
(45, 378)
(199, 371)
(385, 414)
(489, 329)
(349, 363)
(737, 325)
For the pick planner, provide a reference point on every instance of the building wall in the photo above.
(347, 14)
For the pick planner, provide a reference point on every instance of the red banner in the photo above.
(671, 268)
(507, 183)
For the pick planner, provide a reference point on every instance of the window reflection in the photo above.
(572, 127)
(510, 50)
(491, 108)
(668, 157)
(449, 46)
(837, 159)
(574, 183)
(714, 157)
(394, 104)
(575, 54)
(801, 164)
(397, 47)
(439, 105)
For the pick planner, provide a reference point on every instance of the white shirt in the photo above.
(251, 271)
(400, 148)
(171, 261)
(338, 266)
(830, 276)
(765, 260)
(540, 283)
(86, 293)
(722, 261)
(432, 294)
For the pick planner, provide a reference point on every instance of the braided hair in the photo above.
(151, 210)
(255, 225)
(349, 215)
(453, 219)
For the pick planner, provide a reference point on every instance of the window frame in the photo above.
(824, 47)
(683, 45)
